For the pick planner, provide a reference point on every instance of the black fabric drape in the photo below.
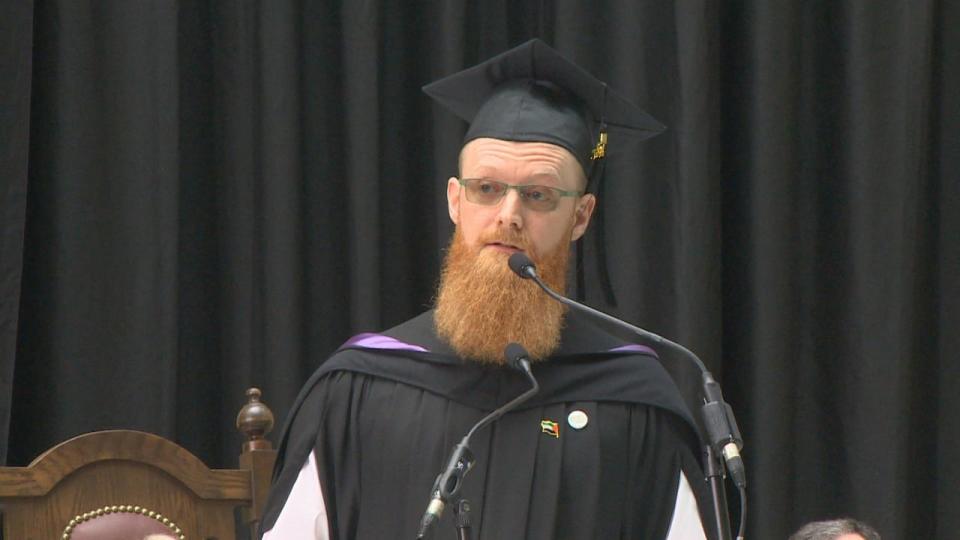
(840, 223)
(16, 27)
(198, 197)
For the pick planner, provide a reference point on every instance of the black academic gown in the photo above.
(383, 422)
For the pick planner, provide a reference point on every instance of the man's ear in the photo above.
(582, 216)
(453, 199)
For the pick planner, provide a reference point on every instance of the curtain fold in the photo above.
(16, 24)
(200, 197)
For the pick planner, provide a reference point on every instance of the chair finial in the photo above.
(255, 419)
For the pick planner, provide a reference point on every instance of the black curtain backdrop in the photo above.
(202, 196)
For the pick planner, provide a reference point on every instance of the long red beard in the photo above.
(482, 305)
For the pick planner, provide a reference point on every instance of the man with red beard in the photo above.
(605, 450)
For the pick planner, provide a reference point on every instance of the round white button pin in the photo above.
(577, 419)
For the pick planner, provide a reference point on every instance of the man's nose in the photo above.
(511, 210)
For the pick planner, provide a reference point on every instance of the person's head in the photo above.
(537, 131)
(512, 196)
(837, 529)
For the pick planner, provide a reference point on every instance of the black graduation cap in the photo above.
(531, 93)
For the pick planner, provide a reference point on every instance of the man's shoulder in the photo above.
(581, 336)
(420, 331)
(409, 353)
(419, 327)
(404, 340)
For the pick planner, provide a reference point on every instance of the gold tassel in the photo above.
(600, 150)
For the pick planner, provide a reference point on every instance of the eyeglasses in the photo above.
(489, 192)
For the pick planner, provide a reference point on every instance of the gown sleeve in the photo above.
(304, 514)
(296, 505)
(686, 523)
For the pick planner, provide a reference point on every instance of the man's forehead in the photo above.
(536, 158)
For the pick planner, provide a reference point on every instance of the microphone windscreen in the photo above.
(514, 353)
(519, 262)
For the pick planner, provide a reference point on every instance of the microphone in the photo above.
(449, 482)
(718, 417)
(518, 359)
(523, 266)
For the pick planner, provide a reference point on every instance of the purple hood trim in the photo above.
(633, 347)
(370, 340)
(379, 341)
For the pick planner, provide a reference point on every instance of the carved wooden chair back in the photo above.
(128, 485)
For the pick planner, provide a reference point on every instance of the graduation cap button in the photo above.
(577, 419)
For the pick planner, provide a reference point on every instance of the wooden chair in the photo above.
(126, 485)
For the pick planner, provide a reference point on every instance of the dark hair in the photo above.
(830, 530)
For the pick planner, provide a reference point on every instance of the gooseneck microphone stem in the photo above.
(719, 422)
(714, 476)
(512, 404)
(449, 482)
(659, 340)
(462, 512)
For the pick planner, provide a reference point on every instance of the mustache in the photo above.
(507, 237)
